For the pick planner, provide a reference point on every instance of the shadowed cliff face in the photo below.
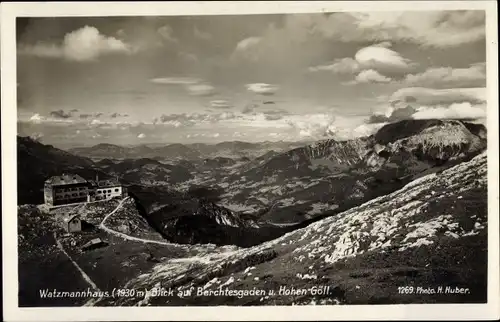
(194, 218)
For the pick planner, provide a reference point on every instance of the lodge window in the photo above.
(116, 190)
(109, 191)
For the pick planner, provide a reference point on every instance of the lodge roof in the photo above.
(65, 179)
(106, 183)
(70, 217)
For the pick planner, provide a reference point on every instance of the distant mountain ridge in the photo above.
(177, 151)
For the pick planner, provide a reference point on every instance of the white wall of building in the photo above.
(108, 192)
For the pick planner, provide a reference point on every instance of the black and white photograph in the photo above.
(324, 158)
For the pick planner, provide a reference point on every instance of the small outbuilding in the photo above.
(72, 223)
(94, 243)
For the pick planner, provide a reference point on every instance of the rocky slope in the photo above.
(430, 233)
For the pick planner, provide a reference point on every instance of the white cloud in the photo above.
(37, 136)
(200, 89)
(381, 58)
(455, 111)
(40, 119)
(194, 86)
(193, 119)
(428, 103)
(42, 50)
(366, 129)
(96, 122)
(262, 88)
(84, 44)
(250, 49)
(238, 134)
(36, 118)
(202, 34)
(121, 33)
(189, 57)
(167, 34)
(141, 136)
(371, 76)
(322, 125)
(220, 104)
(298, 36)
(248, 43)
(430, 96)
(173, 123)
(426, 28)
(339, 66)
(176, 80)
(447, 76)
(370, 62)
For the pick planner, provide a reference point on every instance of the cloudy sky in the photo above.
(132, 80)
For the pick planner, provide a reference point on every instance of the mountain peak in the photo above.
(394, 131)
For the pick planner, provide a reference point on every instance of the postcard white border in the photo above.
(9, 11)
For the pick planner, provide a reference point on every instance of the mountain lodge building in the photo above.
(72, 188)
(66, 189)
